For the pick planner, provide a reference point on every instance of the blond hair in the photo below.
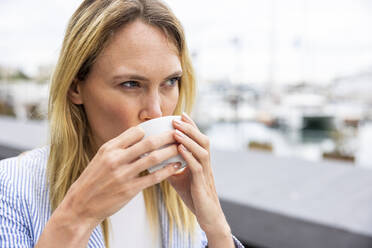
(71, 147)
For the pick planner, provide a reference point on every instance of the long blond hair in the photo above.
(71, 146)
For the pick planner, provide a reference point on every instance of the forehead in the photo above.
(138, 44)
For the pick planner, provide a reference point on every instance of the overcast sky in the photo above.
(242, 40)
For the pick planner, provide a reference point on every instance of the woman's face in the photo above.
(134, 79)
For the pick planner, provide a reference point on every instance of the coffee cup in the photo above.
(159, 126)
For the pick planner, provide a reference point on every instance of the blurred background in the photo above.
(284, 79)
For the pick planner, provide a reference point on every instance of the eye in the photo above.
(130, 84)
(173, 81)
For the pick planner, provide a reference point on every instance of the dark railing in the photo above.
(7, 151)
(287, 202)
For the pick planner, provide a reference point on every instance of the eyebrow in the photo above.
(145, 79)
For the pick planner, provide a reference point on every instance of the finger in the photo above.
(149, 144)
(192, 132)
(152, 159)
(201, 154)
(126, 138)
(156, 177)
(195, 167)
(185, 117)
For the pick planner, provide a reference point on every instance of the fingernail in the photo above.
(177, 165)
(179, 122)
(183, 148)
(187, 116)
(179, 133)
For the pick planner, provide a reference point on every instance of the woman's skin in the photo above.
(135, 79)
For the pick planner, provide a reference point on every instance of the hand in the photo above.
(112, 178)
(195, 184)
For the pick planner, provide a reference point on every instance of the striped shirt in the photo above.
(25, 207)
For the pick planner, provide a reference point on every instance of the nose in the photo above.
(151, 107)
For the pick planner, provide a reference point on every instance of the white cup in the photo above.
(158, 126)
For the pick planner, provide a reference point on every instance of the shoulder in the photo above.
(25, 171)
(29, 160)
(22, 190)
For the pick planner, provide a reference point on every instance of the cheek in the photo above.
(110, 115)
(170, 101)
(120, 113)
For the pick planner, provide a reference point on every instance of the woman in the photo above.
(122, 62)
